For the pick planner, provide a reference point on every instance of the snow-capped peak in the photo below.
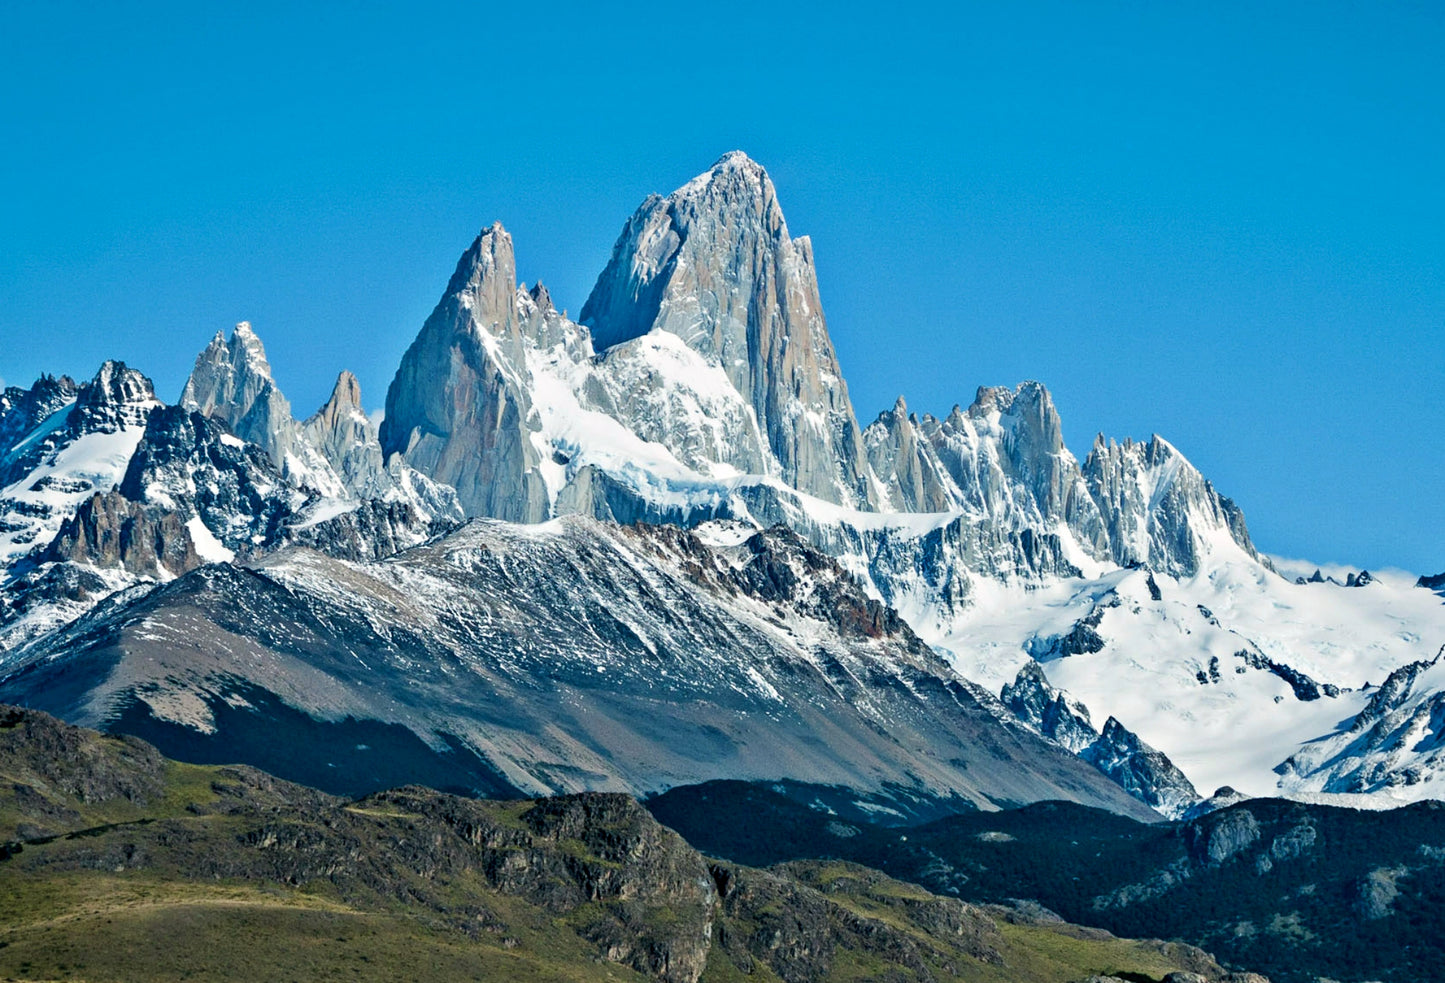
(734, 170)
(713, 263)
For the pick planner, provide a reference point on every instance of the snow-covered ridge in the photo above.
(79, 446)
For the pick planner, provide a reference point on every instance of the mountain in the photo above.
(68, 441)
(1116, 751)
(664, 405)
(713, 264)
(67, 444)
(569, 656)
(699, 390)
(106, 488)
(1394, 742)
(232, 383)
(460, 409)
(122, 865)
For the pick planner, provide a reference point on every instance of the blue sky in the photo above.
(1225, 225)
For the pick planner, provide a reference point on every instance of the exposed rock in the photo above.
(1294, 842)
(1140, 770)
(232, 383)
(1223, 798)
(64, 761)
(1216, 838)
(1396, 740)
(458, 409)
(575, 655)
(594, 869)
(1435, 582)
(1378, 891)
(410, 505)
(1052, 713)
(111, 531)
(22, 410)
(911, 474)
(372, 530)
(1082, 639)
(190, 465)
(1305, 688)
(1163, 528)
(713, 263)
(40, 598)
(77, 448)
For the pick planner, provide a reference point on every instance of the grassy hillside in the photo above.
(121, 865)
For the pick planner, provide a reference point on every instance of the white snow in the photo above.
(1231, 732)
(208, 547)
(37, 504)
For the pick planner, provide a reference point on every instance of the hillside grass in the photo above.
(117, 928)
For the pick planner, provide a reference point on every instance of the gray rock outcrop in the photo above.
(713, 264)
(112, 531)
(1052, 713)
(460, 404)
(232, 383)
(1142, 771)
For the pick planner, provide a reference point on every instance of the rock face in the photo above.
(1051, 713)
(78, 443)
(458, 409)
(701, 384)
(110, 489)
(1218, 837)
(54, 760)
(112, 531)
(190, 464)
(913, 478)
(1003, 462)
(1156, 505)
(331, 484)
(22, 410)
(1397, 741)
(1435, 582)
(713, 264)
(400, 506)
(344, 435)
(1139, 769)
(232, 383)
(701, 390)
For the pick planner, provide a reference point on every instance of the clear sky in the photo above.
(1225, 225)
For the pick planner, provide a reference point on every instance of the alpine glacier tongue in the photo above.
(713, 264)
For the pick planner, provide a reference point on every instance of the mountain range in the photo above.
(655, 546)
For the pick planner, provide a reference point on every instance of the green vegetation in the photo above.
(122, 866)
(101, 928)
(1319, 892)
